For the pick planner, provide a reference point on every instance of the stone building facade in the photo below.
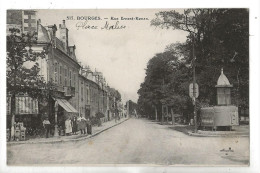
(77, 89)
(61, 69)
(95, 93)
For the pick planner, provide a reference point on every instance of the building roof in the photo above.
(223, 80)
(60, 44)
(43, 36)
(89, 80)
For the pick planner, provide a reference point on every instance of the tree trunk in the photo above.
(13, 107)
(162, 120)
(155, 113)
(167, 118)
(173, 119)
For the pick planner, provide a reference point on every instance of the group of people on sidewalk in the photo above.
(72, 125)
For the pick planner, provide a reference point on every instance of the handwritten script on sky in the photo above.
(119, 43)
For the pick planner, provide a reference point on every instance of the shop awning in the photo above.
(66, 105)
(23, 105)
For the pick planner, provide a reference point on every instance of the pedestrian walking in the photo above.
(46, 124)
(136, 115)
(74, 125)
(82, 124)
(68, 128)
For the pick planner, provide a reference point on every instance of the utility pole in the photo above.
(194, 88)
(163, 89)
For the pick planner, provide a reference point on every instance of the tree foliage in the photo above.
(21, 78)
(114, 93)
(220, 37)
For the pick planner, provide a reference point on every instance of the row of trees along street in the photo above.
(221, 39)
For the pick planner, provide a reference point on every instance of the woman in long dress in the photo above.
(68, 128)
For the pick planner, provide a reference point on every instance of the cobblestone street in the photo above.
(136, 141)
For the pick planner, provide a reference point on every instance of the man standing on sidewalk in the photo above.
(46, 124)
(89, 127)
(82, 124)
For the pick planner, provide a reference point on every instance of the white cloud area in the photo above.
(121, 55)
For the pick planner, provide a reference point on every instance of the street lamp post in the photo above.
(56, 134)
(194, 88)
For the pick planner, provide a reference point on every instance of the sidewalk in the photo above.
(95, 131)
(241, 131)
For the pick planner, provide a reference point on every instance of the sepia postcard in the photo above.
(127, 87)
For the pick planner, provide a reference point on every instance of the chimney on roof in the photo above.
(38, 25)
(52, 29)
(64, 32)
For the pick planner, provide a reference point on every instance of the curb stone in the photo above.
(65, 140)
(216, 135)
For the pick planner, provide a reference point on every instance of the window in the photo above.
(55, 72)
(90, 92)
(60, 75)
(87, 94)
(75, 81)
(65, 76)
(70, 78)
(82, 93)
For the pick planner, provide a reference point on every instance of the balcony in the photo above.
(69, 91)
(59, 88)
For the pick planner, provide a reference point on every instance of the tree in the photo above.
(21, 79)
(221, 40)
(114, 93)
(158, 71)
(114, 99)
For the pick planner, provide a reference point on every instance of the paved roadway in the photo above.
(136, 141)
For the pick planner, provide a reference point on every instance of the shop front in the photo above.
(26, 118)
(64, 111)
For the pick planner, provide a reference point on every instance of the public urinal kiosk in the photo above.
(224, 114)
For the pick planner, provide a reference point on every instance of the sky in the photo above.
(120, 54)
